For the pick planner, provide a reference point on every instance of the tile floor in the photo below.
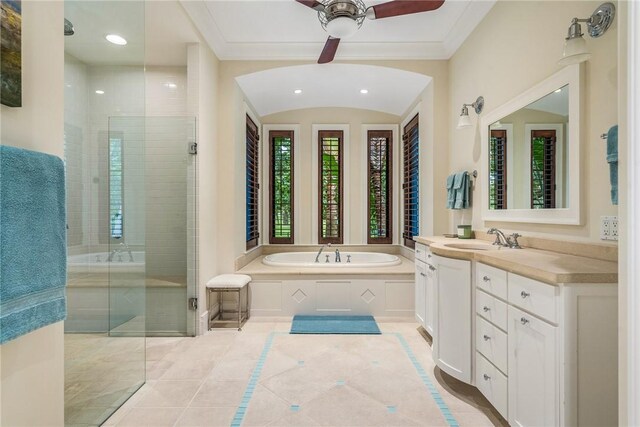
(101, 373)
(304, 380)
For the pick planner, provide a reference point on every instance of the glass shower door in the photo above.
(163, 215)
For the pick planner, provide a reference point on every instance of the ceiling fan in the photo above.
(342, 18)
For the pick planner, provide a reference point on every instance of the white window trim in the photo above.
(266, 192)
(559, 128)
(396, 171)
(346, 217)
(422, 193)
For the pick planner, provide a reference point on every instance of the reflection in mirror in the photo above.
(528, 166)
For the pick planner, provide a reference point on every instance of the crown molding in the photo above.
(225, 50)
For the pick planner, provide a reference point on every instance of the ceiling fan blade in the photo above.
(313, 4)
(402, 7)
(329, 51)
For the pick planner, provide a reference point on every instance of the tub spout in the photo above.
(338, 256)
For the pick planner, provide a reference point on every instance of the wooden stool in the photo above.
(235, 283)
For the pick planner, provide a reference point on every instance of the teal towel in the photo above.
(612, 159)
(451, 194)
(33, 264)
(461, 188)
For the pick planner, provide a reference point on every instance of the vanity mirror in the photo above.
(531, 154)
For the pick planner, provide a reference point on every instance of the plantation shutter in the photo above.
(281, 187)
(252, 184)
(498, 170)
(543, 169)
(410, 183)
(330, 204)
(379, 160)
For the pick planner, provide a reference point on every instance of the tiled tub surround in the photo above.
(529, 322)
(304, 380)
(286, 291)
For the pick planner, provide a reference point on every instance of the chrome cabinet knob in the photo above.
(422, 274)
(486, 377)
(524, 321)
(524, 294)
(485, 308)
(486, 337)
(486, 278)
(432, 268)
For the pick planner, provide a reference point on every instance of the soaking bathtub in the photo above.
(348, 259)
(98, 262)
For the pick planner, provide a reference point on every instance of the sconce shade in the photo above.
(575, 51)
(464, 121)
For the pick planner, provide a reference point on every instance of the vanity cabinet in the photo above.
(533, 371)
(420, 293)
(546, 354)
(453, 321)
(424, 291)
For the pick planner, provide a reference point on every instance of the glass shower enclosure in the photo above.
(131, 206)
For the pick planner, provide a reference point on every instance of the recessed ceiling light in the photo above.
(297, 91)
(116, 39)
(100, 92)
(364, 91)
(558, 90)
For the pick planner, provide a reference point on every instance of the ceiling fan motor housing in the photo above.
(336, 8)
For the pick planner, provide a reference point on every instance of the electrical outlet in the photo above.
(609, 228)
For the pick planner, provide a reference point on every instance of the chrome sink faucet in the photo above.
(338, 256)
(502, 240)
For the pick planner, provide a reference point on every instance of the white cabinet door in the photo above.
(452, 342)
(430, 306)
(533, 371)
(420, 300)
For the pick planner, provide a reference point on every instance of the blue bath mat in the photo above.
(365, 325)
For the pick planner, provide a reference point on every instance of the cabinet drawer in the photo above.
(423, 253)
(491, 309)
(533, 296)
(492, 343)
(491, 279)
(492, 384)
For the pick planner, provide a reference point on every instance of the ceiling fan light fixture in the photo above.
(342, 27)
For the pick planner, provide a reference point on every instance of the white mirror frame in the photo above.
(573, 76)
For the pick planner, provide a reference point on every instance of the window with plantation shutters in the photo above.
(498, 169)
(410, 181)
(281, 187)
(252, 184)
(330, 203)
(380, 186)
(543, 169)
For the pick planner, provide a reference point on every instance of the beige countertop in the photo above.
(547, 266)
(257, 268)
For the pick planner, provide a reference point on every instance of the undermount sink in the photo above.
(473, 246)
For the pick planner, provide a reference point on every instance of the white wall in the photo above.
(32, 366)
(516, 46)
(203, 96)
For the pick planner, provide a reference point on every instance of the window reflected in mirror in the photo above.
(528, 154)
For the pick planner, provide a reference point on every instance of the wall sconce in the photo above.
(464, 121)
(575, 47)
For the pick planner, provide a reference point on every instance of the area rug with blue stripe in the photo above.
(365, 325)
